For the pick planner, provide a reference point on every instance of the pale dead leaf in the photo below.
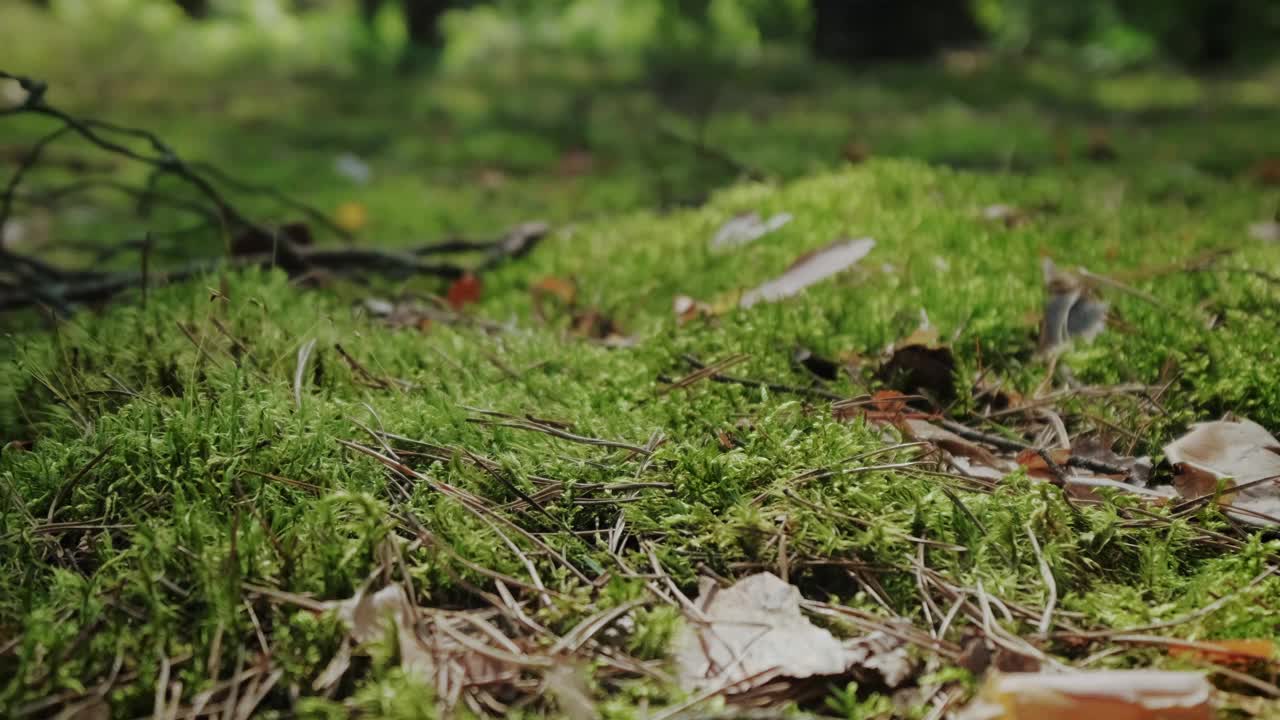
(810, 269)
(1071, 311)
(1109, 694)
(353, 168)
(365, 615)
(567, 684)
(1268, 231)
(755, 632)
(746, 228)
(1240, 452)
(441, 648)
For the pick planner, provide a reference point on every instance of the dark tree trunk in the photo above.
(195, 9)
(854, 30)
(422, 18)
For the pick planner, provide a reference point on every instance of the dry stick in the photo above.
(703, 372)
(585, 630)
(775, 387)
(283, 198)
(469, 501)
(1008, 445)
(165, 159)
(28, 160)
(564, 435)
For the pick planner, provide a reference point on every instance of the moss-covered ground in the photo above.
(165, 461)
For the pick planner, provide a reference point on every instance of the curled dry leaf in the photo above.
(1240, 452)
(746, 228)
(1102, 694)
(755, 633)
(1071, 309)
(922, 368)
(810, 269)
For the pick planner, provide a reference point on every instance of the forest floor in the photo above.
(528, 460)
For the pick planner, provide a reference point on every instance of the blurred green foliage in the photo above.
(664, 34)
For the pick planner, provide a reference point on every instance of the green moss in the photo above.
(214, 475)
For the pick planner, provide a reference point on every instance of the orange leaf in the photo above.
(556, 287)
(1229, 652)
(889, 401)
(464, 291)
(1035, 464)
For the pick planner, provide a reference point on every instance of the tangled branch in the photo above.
(26, 281)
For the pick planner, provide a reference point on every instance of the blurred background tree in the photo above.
(666, 34)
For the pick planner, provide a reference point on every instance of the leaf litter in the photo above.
(747, 228)
(810, 269)
(754, 633)
(1072, 310)
(1242, 456)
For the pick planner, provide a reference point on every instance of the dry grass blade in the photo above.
(304, 354)
(1051, 586)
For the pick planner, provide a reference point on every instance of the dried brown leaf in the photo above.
(1239, 452)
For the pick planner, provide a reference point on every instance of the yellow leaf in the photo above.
(351, 216)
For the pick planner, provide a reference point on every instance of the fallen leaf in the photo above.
(575, 163)
(1267, 171)
(1229, 652)
(1037, 467)
(819, 366)
(351, 216)
(442, 649)
(688, 309)
(492, 178)
(1100, 148)
(1071, 310)
(923, 369)
(401, 314)
(1266, 231)
(1009, 215)
(1240, 453)
(755, 633)
(595, 325)
(351, 167)
(1101, 694)
(746, 228)
(464, 291)
(855, 151)
(563, 290)
(943, 439)
(566, 683)
(810, 269)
